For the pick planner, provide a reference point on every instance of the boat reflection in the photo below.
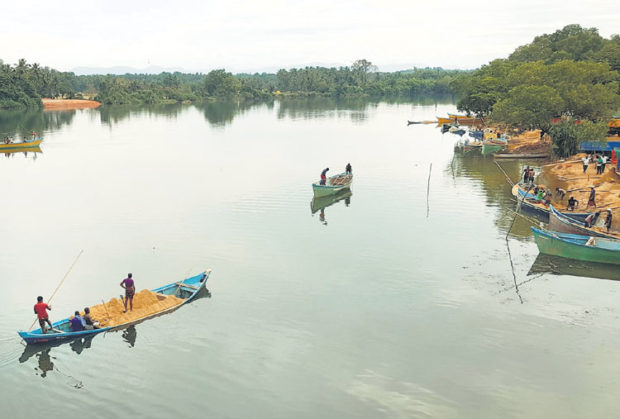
(561, 266)
(319, 204)
(28, 152)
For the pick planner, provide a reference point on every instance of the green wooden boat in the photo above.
(574, 246)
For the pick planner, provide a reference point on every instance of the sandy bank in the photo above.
(66, 104)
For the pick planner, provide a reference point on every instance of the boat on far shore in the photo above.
(22, 145)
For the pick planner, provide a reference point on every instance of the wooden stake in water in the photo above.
(49, 300)
(428, 189)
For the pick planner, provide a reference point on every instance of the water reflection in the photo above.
(28, 153)
(220, 114)
(561, 266)
(319, 204)
(129, 335)
(20, 124)
(111, 115)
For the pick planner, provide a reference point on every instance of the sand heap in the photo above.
(145, 303)
(529, 142)
(569, 176)
(67, 104)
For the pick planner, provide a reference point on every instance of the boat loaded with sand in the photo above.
(146, 304)
(561, 223)
(532, 204)
(333, 185)
(579, 247)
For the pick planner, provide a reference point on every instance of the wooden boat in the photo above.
(20, 146)
(490, 148)
(522, 156)
(530, 203)
(576, 246)
(333, 185)
(185, 290)
(561, 223)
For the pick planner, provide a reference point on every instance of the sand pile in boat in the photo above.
(65, 104)
(145, 303)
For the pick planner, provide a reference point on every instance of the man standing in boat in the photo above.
(40, 309)
(348, 169)
(323, 176)
(130, 290)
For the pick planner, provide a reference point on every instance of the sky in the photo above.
(253, 36)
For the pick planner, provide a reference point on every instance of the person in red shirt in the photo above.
(40, 309)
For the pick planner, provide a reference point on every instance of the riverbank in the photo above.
(569, 175)
(68, 104)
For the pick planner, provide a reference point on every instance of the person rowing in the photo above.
(40, 309)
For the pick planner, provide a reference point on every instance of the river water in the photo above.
(396, 301)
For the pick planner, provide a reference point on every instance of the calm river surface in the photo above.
(384, 304)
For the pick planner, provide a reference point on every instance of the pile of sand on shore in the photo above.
(569, 176)
(529, 142)
(145, 303)
(67, 104)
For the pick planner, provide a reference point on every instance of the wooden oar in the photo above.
(60, 284)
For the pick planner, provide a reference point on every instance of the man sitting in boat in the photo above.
(323, 176)
(77, 322)
(90, 323)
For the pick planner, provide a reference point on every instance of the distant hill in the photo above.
(119, 70)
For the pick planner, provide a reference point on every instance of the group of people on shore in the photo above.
(600, 160)
(79, 322)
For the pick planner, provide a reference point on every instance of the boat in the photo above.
(20, 146)
(333, 185)
(320, 203)
(530, 203)
(184, 291)
(476, 133)
(561, 223)
(490, 148)
(455, 129)
(578, 247)
(522, 156)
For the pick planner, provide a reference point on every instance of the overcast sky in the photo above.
(256, 36)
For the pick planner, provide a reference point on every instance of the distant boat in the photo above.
(489, 148)
(185, 290)
(561, 223)
(20, 146)
(333, 185)
(579, 247)
(460, 119)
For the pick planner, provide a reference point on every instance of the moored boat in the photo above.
(561, 223)
(522, 156)
(579, 247)
(4, 146)
(333, 185)
(532, 204)
(178, 293)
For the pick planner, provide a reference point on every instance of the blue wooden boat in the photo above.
(185, 290)
(530, 203)
(579, 247)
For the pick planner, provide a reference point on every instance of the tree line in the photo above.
(23, 85)
(565, 83)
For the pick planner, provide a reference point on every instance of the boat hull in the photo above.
(187, 289)
(563, 224)
(21, 146)
(334, 185)
(573, 246)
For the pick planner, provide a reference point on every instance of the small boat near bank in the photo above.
(24, 145)
(334, 184)
(530, 203)
(578, 247)
(181, 291)
(563, 224)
